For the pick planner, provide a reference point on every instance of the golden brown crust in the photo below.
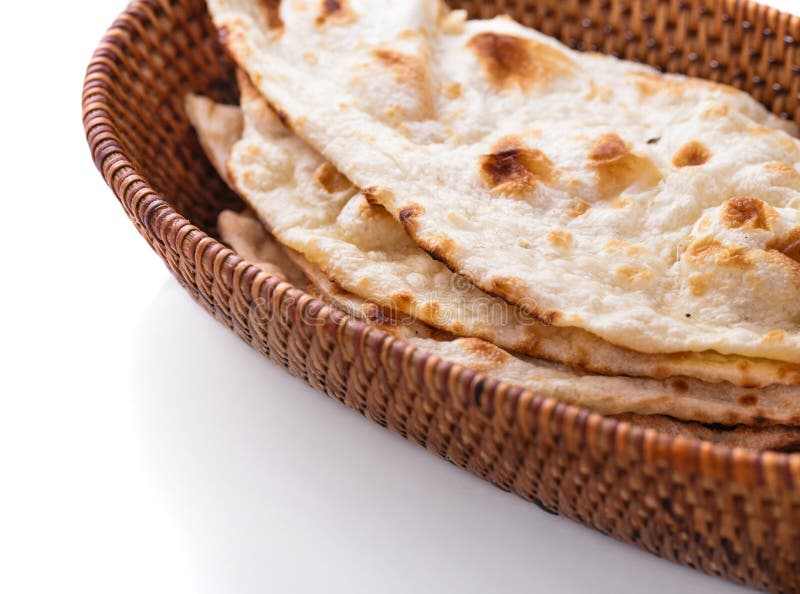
(617, 167)
(443, 248)
(708, 248)
(780, 260)
(493, 356)
(578, 207)
(452, 91)
(691, 154)
(508, 60)
(630, 273)
(609, 148)
(698, 285)
(559, 238)
(789, 246)
(431, 310)
(330, 178)
(410, 70)
(744, 212)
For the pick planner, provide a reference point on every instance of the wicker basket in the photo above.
(727, 512)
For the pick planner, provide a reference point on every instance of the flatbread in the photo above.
(245, 234)
(657, 212)
(681, 398)
(686, 399)
(218, 127)
(775, 437)
(313, 209)
(248, 237)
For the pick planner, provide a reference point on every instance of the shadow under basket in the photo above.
(725, 511)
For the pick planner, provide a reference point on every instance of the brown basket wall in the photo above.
(727, 512)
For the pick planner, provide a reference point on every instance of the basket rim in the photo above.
(530, 412)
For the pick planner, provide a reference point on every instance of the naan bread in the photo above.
(218, 127)
(247, 244)
(313, 209)
(682, 398)
(244, 233)
(248, 237)
(659, 213)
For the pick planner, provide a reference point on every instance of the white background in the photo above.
(144, 448)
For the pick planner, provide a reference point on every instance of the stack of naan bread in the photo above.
(479, 189)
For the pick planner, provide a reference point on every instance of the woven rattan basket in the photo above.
(728, 512)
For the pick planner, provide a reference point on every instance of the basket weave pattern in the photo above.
(724, 511)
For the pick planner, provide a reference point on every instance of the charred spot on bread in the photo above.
(372, 193)
(608, 148)
(271, 9)
(513, 169)
(691, 154)
(442, 248)
(409, 214)
(337, 12)
(746, 212)
(789, 245)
